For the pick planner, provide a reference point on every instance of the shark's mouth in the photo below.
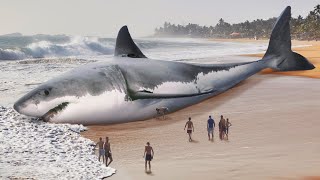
(54, 111)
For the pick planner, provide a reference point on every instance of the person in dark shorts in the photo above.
(107, 150)
(190, 128)
(210, 127)
(148, 155)
(222, 128)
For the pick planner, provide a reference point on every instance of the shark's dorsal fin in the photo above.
(125, 47)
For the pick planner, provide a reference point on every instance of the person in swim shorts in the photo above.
(107, 150)
(148, 155)
(222, 128)
(190, 128)
(101, 150)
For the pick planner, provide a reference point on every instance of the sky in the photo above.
(105, 17)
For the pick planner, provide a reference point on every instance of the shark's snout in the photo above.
(16, 107)
(19, 105)
(26, 106)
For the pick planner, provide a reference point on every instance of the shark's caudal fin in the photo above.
(125, 46)
(279, 52)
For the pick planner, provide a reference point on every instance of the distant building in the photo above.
(235, 35)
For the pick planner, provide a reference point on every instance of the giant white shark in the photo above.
(129, 86)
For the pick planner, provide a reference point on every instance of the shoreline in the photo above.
(263, 156)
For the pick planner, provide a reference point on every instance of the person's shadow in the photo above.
(194, 141)
(149, 172)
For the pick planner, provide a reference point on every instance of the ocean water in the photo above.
(55, 46)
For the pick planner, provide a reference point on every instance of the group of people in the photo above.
(105, 148)
(104, 151)
(224, 126)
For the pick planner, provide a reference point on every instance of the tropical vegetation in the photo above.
(307, 28)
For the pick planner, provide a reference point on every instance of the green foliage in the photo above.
(301, 28)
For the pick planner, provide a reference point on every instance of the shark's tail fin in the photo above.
(279, 52)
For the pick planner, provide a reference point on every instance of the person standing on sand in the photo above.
(228, 124)
(101, 150)
(148, 155)
(190, 128)
(222, 128)
(210, 127)
(107, 150)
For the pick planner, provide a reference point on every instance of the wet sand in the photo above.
(275, 135)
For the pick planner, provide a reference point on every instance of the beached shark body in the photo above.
(130, 87)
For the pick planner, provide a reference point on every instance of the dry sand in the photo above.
(275, 134)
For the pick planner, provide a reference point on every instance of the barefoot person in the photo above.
(190, 128)
(222, 127)
(148, 155)
(210, 127)
(107, 150)
(228, 124)
(101, 150)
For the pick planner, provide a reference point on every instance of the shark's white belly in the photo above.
(111, 107)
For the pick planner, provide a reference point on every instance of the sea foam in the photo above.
(37, 150)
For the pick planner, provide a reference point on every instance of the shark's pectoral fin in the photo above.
(135, 95)
(125, 47)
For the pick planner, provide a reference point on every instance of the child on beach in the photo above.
(228, 124)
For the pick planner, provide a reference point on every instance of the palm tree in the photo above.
(317, 10)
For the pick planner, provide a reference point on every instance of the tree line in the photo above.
(307, 28)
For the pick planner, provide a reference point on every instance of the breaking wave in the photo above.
(63, 46)
(77, 46)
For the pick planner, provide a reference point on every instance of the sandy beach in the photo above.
(275, 132)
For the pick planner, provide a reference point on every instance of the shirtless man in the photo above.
(190, 128)
(148, 155)
(101, 150)
(107, 150)
(222, 128)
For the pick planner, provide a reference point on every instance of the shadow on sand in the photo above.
(149, 173)
(194, 141)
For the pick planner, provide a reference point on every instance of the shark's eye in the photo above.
(46, 92)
